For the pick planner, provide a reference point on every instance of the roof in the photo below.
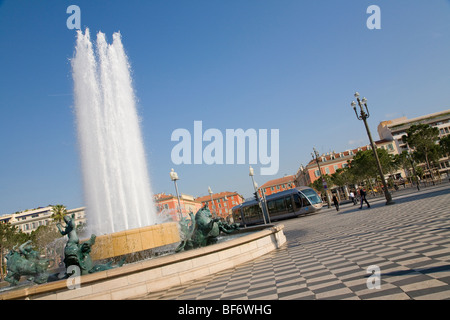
(337, 155)
(163, 197)
(278, 181)
(217, 196)
(404, 120)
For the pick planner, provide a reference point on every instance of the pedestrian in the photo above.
(352, 197)
(336, 202)
(363, 194)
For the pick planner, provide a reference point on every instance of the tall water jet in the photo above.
(116, 183)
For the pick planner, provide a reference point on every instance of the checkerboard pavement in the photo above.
(327, 255)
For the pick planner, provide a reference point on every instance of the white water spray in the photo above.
(116, 183)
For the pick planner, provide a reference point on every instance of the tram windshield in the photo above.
(312, 196)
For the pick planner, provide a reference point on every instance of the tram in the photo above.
(283, 205)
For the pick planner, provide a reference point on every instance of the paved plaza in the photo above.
(327, 255)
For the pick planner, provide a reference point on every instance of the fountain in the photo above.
(120, 210)
(116, 183)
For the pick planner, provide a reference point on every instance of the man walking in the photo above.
(336, 202)
(362, 194)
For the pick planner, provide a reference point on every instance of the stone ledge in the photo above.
(159, 273)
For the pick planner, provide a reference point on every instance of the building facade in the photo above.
(29, 220)
(329, 164)
(278, 185)
(168, 204)
(221, 203)
(393, 131)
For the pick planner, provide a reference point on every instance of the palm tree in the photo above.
(59, 211)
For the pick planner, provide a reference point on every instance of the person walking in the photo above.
(336, 202)
(352, 197)
(363, 194)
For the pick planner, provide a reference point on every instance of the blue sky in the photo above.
(291, 65)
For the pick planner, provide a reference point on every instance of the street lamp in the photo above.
(315, 156)
(363, 115)
(263, 207)
(408, 155)
(213, 207)
(174, 177)
(303, 170)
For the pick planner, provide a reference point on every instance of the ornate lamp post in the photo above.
(174, 177)
(262, 206)
(303, 169)
(363, 115)
(213, 207)
(408, 155)
(315, 156)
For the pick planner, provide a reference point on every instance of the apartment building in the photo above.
(221, 203)
(31, 219)
(393, 130)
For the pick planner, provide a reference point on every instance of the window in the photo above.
(336, 167)
(327, 170)
(288, 203)
(305, 201)
(317, 173)
(297, 201)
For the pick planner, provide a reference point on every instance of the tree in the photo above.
(59, 211)
(318, 184)
(365, 168)
(422, 138)
(10, 236)
(444, 143)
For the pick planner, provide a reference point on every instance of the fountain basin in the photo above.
(143, 277)
(135, 240)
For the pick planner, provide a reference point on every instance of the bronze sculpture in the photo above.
(26, 262)
(203, 229)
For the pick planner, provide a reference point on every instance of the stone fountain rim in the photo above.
(143, 265)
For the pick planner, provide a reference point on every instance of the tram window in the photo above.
(279, 204)
(298, 201)
(271, 206)
(276, 206)
(305, 201)
(251, 211)
(288, 203)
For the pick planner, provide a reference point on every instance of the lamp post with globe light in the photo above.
(213, 207)
(363, 115)
(174, 178)
(263, 207)
(315, 156)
